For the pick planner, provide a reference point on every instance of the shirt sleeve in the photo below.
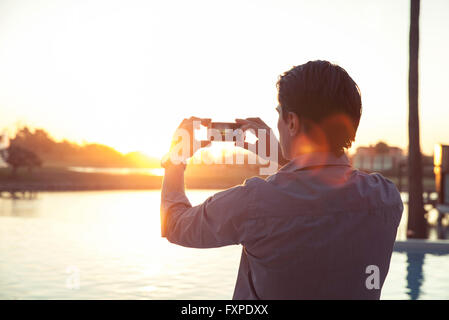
(223, 219)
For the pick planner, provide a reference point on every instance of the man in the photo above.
(317, 228)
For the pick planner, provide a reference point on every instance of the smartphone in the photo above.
(224, 129)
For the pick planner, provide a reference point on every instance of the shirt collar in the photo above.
(315, 159)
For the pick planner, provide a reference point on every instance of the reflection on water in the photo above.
(150, 171)
(415, 263)
(18, 207)
(111, 241)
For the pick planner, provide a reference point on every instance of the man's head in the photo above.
(319, 109)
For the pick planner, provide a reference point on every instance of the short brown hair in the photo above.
(326, 99)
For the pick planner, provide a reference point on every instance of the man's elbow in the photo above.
(167, 230)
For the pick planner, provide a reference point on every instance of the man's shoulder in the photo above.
(256, 185)
(254, 181)
(375, 180)
(259, 184)
(379, 188)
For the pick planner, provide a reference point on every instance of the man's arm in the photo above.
(173, 193)
(223, 219)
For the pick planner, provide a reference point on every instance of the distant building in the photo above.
(380, 157)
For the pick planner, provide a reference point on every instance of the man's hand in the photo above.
(256, 124)
(183, 144)
(258, 127)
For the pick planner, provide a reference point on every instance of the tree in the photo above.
(19, 157)
(416, 226)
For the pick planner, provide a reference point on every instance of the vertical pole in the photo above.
(416, 227)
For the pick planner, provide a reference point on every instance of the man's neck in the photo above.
(303, 145)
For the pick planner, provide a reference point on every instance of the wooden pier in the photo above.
(18, 192)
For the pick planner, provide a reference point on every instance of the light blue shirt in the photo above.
(310, 231)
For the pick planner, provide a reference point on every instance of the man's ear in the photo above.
(293, 124)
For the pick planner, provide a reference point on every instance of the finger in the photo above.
(194, 119)
(205, 143)
(257, 120)
(188, 124)
(203, 121)
(206, 121)
(183, 123)
(247, 120)
(248, 126)
(241, 121)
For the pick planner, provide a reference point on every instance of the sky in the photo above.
(125, 73)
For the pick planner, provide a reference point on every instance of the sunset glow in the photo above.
(125, 74)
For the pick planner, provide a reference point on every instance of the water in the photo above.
(107, 245)
(417, 276)
(124, 171)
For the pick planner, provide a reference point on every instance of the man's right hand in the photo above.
(257, 127)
